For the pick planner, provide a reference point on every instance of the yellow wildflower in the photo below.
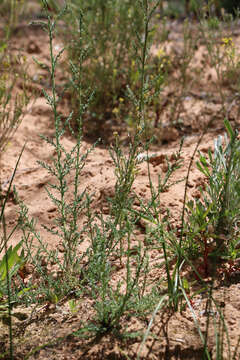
(115, 110)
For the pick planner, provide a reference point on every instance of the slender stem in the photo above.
(5, 239)
(8, 286)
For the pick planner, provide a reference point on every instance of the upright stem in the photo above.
(8, 285)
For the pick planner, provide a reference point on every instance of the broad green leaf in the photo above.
(13, 259)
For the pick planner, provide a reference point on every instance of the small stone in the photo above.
(136, 201)
(210, 229)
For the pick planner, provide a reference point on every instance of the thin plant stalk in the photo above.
(3, 202)
(179, 260)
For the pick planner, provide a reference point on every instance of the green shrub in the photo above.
(111, 32)
(214, 218)
(109, 28)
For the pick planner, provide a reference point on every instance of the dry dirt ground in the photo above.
(175, 335)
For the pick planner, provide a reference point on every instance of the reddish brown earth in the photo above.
(175, 335)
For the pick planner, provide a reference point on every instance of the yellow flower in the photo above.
(115, 111)
(160, 53)
(227, 41)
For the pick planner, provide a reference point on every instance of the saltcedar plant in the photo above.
(110, 28)
(112, 239)
(69, 204)
(112, 31)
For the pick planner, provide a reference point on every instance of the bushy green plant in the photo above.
(108, 238)
(113, 238)
(69, 206)
(110, 58)
(109, 28)
(214, 218)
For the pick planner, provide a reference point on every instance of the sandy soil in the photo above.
(175, 335)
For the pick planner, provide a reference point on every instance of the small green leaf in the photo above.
(229, 129)
(185, 284)
(72, 305)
